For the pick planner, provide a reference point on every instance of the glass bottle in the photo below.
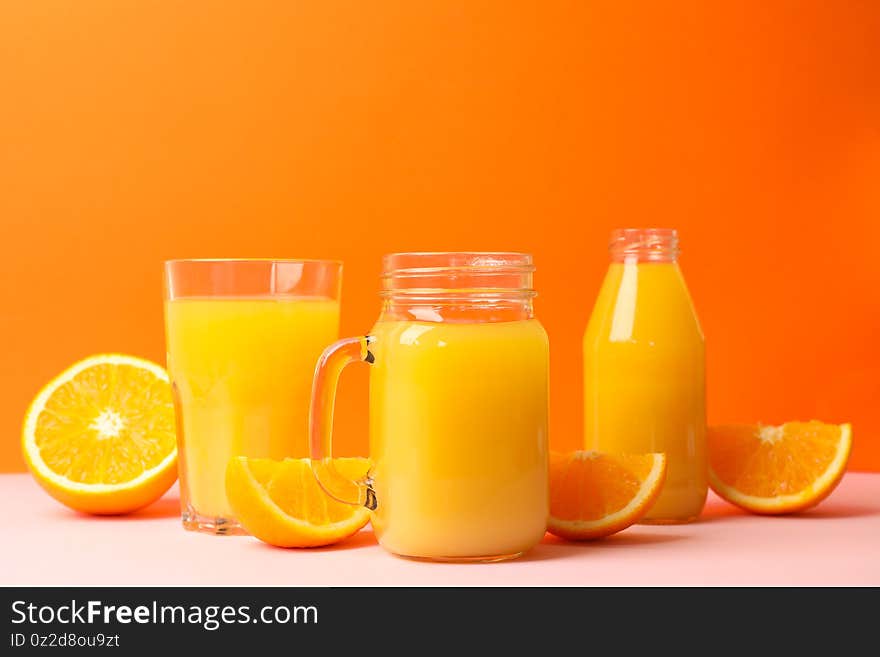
(644, 368)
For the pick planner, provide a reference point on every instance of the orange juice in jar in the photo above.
(459, 370)
(644, 369)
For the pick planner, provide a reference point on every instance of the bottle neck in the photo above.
(635, 245)
(462, 287)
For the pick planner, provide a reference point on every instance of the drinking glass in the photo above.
(243, 338)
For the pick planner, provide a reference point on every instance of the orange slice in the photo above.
(281, 503)
(100, 436)
(594, 495)
(767, 469)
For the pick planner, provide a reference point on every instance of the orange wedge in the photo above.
(774, 470)
(100, 436)
(594, 495)
(281, 503)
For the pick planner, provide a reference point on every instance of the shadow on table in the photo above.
(550, 547)
(829, 509)
(719, 510)
(166, 507)
(553, 547)
(363, 539)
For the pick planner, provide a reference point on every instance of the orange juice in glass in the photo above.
(644, 369)
(458, 409)
(243, 338)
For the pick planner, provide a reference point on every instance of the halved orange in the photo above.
(777, 469)
(281, 503)
(100, 436)
(594, 495)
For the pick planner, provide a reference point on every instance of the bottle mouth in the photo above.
(458, 274)
(644, 245)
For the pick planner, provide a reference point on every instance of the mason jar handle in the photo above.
(327, 371)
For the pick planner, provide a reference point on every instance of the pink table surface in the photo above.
(837, 543)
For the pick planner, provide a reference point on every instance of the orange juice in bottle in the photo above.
(644, 368)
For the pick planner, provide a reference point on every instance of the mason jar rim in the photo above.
(427, 263)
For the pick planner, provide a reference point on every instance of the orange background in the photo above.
(135, 132)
